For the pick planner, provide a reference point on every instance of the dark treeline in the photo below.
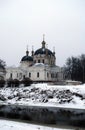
(2, 64)
(74, 68)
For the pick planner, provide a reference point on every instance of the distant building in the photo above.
(40, 66)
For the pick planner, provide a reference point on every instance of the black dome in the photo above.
(27, 58)
(43, 51)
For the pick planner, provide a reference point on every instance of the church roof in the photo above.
(43, 51)
(27, 58)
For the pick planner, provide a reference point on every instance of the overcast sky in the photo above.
(23, 22)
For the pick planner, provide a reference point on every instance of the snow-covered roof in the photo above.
(39, 64)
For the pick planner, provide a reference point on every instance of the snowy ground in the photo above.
(12, 125)
(45, 95)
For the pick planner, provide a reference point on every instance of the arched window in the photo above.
(52, 75)
(11, 75)
(20, 75)
(29, 75)
(17, 75)
(38, 61)
(43, 61)
(47, 75)
(35, 61)
(38, 75)
(23, 76)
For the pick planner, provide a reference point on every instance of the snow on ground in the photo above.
(45, 95)
(13, 125)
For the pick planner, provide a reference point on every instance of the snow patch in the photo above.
(45, 95)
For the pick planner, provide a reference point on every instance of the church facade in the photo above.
(40, 66)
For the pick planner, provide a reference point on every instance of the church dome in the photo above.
(27, 58)
(43, 51)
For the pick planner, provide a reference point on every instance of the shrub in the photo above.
(13, 83)
(2, 83)
(10, 82)
(27, 82)
(16, 82)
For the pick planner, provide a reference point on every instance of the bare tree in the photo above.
(2, 64)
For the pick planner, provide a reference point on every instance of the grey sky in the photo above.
(23, 22)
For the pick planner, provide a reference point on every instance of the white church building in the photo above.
(39, 67)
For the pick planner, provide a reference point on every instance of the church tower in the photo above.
(26, 60)
(44, 55)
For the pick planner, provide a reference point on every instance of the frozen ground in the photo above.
(12, 125)
(45, 95)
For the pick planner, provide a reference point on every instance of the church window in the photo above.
(23, 76)
(38, 61)
(11, 75)
(47, 75)
(35, 61)
(20, 75)
(43, 61)
(52, 75)
(29, 75)
(56, 75)
(17, 75)
(38, 74)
